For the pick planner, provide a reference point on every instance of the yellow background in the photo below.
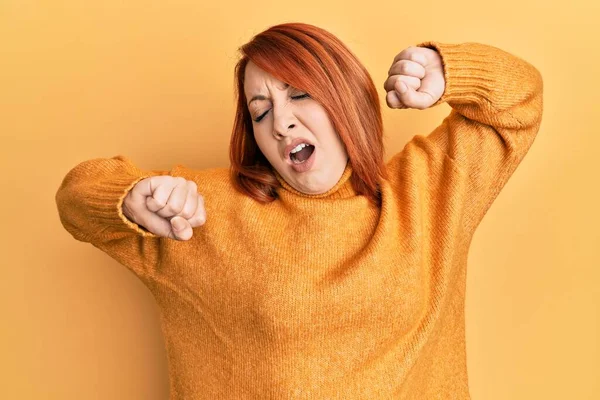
(154, 80)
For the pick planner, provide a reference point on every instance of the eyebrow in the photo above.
(261, 97)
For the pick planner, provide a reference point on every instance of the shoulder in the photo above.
(207, 179)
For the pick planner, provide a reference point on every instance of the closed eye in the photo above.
(293, 97)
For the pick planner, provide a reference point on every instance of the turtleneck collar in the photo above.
(341, 190)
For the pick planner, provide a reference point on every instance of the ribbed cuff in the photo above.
(109, 194)
(468, 68)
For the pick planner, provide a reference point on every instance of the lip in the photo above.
(306, 165)
(291, 146)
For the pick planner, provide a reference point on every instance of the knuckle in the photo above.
(188, 210)
(161, 203)
(185, 213)
(173, 206)
(414, 55)
(199, 220)
(176, 206)
(405, 67)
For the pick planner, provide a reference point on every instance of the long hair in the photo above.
(315, 61)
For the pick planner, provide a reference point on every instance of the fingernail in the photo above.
(178, 224)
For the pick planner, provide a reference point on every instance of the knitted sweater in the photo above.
(328, 296)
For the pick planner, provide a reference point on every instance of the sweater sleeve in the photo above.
(89, 203)
(496, 101)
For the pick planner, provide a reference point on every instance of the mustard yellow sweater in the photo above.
(328, 296)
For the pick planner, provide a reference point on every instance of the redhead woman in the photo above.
(311, 268)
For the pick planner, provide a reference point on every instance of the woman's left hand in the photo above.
(415, 79)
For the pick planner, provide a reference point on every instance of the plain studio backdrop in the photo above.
(153, 80)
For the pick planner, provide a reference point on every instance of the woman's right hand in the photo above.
(165, 205)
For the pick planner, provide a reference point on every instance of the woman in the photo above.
(340, 276)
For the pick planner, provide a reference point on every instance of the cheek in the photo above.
(266, 146)
(318, 120)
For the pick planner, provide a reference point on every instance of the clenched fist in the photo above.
(415, 79)
(165, 205)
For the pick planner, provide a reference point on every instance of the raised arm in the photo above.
(497, 104)
(89, 202)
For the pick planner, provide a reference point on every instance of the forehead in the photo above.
(256, 79)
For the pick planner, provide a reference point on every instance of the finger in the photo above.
(191, 202)
(146, 189)
(398, 86)
(156, 224)
(158, 191)
(414, 98)
(393, 101)
(413, 53)
(199, 217)
(176, 200)
(407, 67)
(392, 82)
(181, 228)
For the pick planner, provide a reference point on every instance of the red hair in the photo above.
(315, 61)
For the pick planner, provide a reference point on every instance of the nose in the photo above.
(283, 120)
(279, 133)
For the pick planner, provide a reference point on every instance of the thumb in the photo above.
(181, 228)
(413, 98)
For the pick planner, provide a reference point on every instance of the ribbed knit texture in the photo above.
(328, 296)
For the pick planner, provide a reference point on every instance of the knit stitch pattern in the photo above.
(327, 296)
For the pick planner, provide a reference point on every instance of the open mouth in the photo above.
(302, 155)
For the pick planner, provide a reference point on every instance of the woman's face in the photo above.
(285, 116)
